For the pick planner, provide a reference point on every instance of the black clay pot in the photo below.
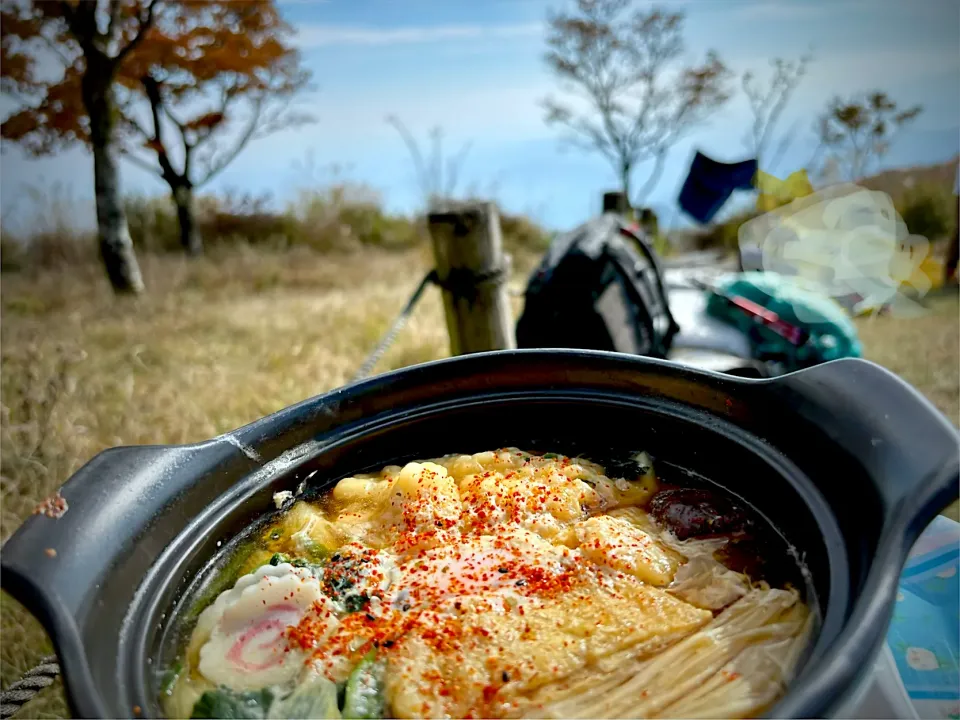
(846, 460)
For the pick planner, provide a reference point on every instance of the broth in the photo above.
(499, 584)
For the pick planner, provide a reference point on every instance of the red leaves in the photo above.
(220, 51)
(207, 39)
(206, 122)
(58, 119)
(15, 24)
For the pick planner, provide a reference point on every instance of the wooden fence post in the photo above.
(473, 273)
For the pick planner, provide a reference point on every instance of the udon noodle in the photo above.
(500, 584)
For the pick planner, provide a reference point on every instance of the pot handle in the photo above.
(58, 566)
(109, 502)
(906, 445)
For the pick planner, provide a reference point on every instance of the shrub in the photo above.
(47, 249)
(724, 235)
(240, 219)
(520, 234)
(153, 223)
(928, 210)
(371, 227)
(12, 253)
(53, 239)
(345, 217)
(62, 249)
(661, 244)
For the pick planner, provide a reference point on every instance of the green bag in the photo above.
(796, 301)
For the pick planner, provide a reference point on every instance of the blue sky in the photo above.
(476, 69)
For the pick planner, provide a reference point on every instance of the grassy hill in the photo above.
(898, 183)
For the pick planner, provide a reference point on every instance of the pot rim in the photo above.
(815, 692)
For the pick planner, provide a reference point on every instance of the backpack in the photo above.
(599, 287)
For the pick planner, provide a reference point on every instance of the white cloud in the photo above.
(322, 35)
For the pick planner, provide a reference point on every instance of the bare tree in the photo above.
(437, 175)
(767, 104)
(859, 131)
(630, 102)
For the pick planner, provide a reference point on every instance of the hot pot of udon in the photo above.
(531, 533)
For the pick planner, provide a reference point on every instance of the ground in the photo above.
(223, 340)
(922, 350)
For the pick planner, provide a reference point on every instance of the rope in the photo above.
(460, 282)
(391, 334)
(465, 283)
(30, 683)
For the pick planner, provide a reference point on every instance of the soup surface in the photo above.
(500, 584)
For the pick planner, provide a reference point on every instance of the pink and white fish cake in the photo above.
(247, 644)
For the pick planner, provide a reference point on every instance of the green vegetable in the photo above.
(226, 703)
(223, 577)
(364, 695)
(314, 551)
(314, 699)
(550, 456)
(355, 603)
(298, 562)
(340, 577)
(170, 677)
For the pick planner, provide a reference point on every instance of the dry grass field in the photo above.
(220, 341)
(924, 351)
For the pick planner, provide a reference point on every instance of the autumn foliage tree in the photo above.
(630, 99)
(91, 40)
(215, 76)
(177, 87)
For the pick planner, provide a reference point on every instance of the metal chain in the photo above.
(30, 683)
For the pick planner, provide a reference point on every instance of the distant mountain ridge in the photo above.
(897, 181)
